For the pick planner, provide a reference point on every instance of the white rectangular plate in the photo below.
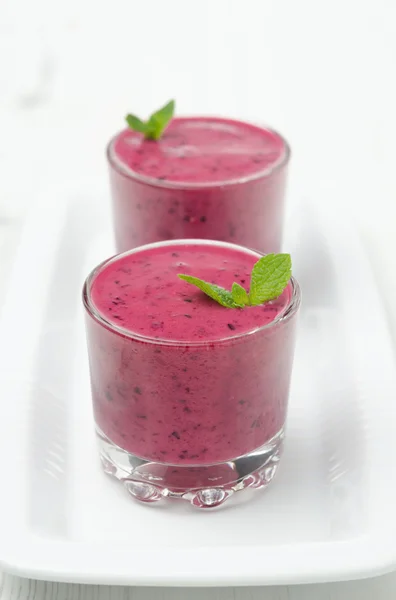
(329, 515)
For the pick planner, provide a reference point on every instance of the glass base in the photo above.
(204, 486)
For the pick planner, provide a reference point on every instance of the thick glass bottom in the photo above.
(204, 486)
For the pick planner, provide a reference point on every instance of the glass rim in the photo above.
(284, 316)
(129, 173)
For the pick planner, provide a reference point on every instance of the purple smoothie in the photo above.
(177, 378)
(206, 178)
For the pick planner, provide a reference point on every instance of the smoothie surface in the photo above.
(201, 150)
(142, 293)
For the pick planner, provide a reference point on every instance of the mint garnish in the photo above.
(154, 127)
(270, 276)
(239, 294)
(221, 295)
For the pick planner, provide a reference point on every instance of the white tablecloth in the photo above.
(322, 73)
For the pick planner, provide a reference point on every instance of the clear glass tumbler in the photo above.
(207, 178)
(196, 420)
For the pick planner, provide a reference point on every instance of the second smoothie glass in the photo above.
(245, 208)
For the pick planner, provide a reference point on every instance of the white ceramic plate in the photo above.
(329, 515)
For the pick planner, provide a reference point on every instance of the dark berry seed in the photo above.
(187, 390)
(187, 410)
(203, 219)
(176, 435)
(182, 456)
(175, 254)
(117, 281)
(242, 402)
(187, 299)
(231, 326)
(109, 397)
(141, 417)
(137, 390)
(188, 316)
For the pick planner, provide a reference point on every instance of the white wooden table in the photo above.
(320, 72)
(14, 588)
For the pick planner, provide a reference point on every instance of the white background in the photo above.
(323, 73)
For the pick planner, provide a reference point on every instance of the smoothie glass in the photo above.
(201, 416)
(206, 178)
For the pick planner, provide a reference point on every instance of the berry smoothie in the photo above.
(206, 178)
(177, 378)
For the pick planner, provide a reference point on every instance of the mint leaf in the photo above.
(270, 276)
(156, 124)
(221, 295)
(159, 120)
(136, 124)
(239, 294)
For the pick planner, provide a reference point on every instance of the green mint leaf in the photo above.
(239, 294)
(159, 121)
(221, 295)
(136, 124)
(270, 276)
(156, 124)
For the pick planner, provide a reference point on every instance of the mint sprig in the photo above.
(154, 127)
(270, 276)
